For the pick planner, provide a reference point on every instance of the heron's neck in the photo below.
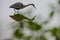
(28, 5)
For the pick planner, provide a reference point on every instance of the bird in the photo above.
(19, 5)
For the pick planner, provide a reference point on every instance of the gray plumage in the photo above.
(20, 5)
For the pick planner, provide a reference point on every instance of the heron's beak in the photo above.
(33, 6)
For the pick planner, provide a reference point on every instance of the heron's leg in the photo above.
(15, 11)
(18, 12)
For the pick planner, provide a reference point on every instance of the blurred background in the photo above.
(44, 7)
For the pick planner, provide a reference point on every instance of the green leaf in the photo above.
(28, 38)
(42, 38)
(20, 17)
(34, 26)
(59, 1)
(54, 31)
(57, 38)
(21, 25)
(58, 34)
(17, 17)
(18, 34)
(51, 14)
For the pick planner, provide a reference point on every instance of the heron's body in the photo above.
(20, 5)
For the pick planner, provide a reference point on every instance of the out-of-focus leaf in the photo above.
(18, 34)
(51, 14)
(21, 25)
(59, 1)
(27, 38)
(42, 38)
(57, 38)
(34, 26)
(54, 31)
(58, 34)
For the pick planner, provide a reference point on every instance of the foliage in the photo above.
(51, 14)
(18, 34)
(33, 26)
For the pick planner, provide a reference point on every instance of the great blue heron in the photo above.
(20, 5)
